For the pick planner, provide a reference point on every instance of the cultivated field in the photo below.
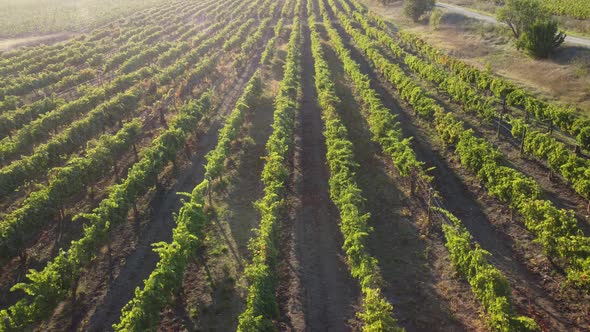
(293, 165)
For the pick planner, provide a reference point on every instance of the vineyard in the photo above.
(293, 165)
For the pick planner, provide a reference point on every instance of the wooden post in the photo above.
(110, 258)
(209, 193)
(430, 190)
(522, 142)
(74, 291)
(135, 152)
(499, 122)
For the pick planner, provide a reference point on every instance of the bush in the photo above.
(435, 19)
(416, 8)
(519, 15)
(541, 39)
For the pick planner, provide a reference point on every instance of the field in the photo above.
(23, 17)
(296, 165)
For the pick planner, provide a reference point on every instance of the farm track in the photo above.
(484, 225)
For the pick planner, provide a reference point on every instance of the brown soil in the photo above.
(141, 262)
(555, 189)
(329, 295)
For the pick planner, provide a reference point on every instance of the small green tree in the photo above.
(435, 19)
(519, 15)
(541, 39)
(416, 8)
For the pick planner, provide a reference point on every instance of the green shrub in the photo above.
(435, 19)
(542, 38)
(416, 8)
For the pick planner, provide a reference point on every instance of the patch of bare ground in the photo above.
(564, 77)
(7, 44)
(418, 277)
(325, 295)
(539, 289)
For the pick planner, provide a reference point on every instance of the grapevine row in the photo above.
(50, 153)
(556, 229)
(261, 305)
(52, 284)
(347, 196)
(563, 117)
(20, 224)
(560, 159)
(142, 312)
(491, 289)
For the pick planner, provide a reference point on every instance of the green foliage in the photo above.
(457, 84)
(47, 287)
(476, 153)
(541, 39)
(20, 17)
(487, 283)
(520, 15)
(142, 312)
(39, 207)
(216, 157)
(416, 8)
(344, 191)
(574, 8)
(435, 18)
(261, 305)
(556, 229)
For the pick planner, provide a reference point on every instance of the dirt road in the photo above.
(577, 41)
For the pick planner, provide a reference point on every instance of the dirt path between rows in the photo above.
(330, 294)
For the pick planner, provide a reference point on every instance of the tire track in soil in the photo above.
(330, 296)
(142, 261)
(532, 298)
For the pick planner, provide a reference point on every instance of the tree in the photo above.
(415, 8)
(541, 39)
(520, 15)
(435, 19)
